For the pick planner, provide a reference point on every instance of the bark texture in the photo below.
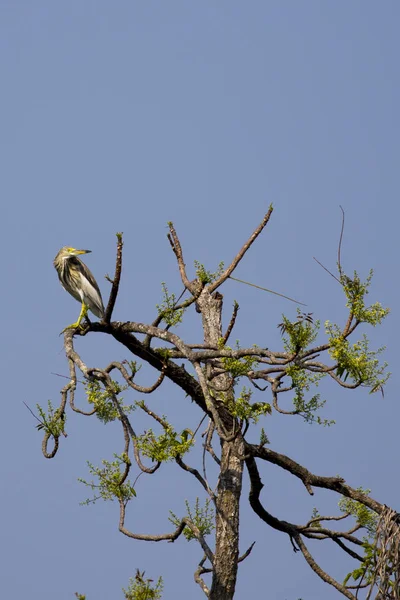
(231, 469)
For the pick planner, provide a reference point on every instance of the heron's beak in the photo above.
(82, 251)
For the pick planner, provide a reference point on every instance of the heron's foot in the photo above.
(76, 325)
(82, 315)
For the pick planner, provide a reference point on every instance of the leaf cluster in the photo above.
(241, 408)
(301, 333)
(356, 291)
(167, 309)
(366, 570)
(53, 421)
(167, 446)
(237, 367)
(356, 360)
(104, 401)
(364, 516)
(314, 515)
(264, 440)
(201, 517)
(139, 588)
(205, 276)
(111, 480)
(143, 589)
(302, 381)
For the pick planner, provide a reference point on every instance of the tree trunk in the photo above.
(231, 469)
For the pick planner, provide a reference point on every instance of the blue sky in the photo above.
(120, 116)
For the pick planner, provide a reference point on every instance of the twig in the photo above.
(33, 414)
(327, 270)
(197, 475)
(66, 377)
(319, 571)
(241, 252)
(340, 242)
(115, 281)
(197, 576)
(231, 322)
(267, 290)
(246, 554)
(177, 249)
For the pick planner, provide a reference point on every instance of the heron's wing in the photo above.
(91, 294)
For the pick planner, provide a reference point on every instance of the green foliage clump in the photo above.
(355, 291)
(356, 360)
(366, 570)
(263, 438)
(314, 515)
(104, 401)
(364, 516)
(302, 381)
(139, 588)
(171, 315)
(300, 333)
(134, 366)
(202, 518)
(237, 367)
(205, 276)
(241, 408)
(166, 446)
(53, 421)
(165, 353)
(111, 480)
(143, 589)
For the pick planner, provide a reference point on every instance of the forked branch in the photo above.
(241, 252)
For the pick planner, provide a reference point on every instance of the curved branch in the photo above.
(328, 518)
(45, 441)
(336, 484)
(60, 413)
(129, 378)
(196, 474)
(170, 537)
(72, 373)
(256, 486)
(320, 572)
(199, 572)
(177, 374)
(107, 382)
(347, 549)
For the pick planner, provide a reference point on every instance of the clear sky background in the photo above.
(120, 116)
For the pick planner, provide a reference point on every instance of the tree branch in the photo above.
(115, 281)
(197, 576)
(337, 484)
(231, 322)
(320, 572)
(177, 249)
(170, 537)
(212, 287)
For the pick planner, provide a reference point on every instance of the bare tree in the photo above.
(208, 372)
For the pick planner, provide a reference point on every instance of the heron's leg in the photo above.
(82, 315)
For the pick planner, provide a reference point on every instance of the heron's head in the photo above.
(64, 254)
(68, 252)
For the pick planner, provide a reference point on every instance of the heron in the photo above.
(77, 280)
